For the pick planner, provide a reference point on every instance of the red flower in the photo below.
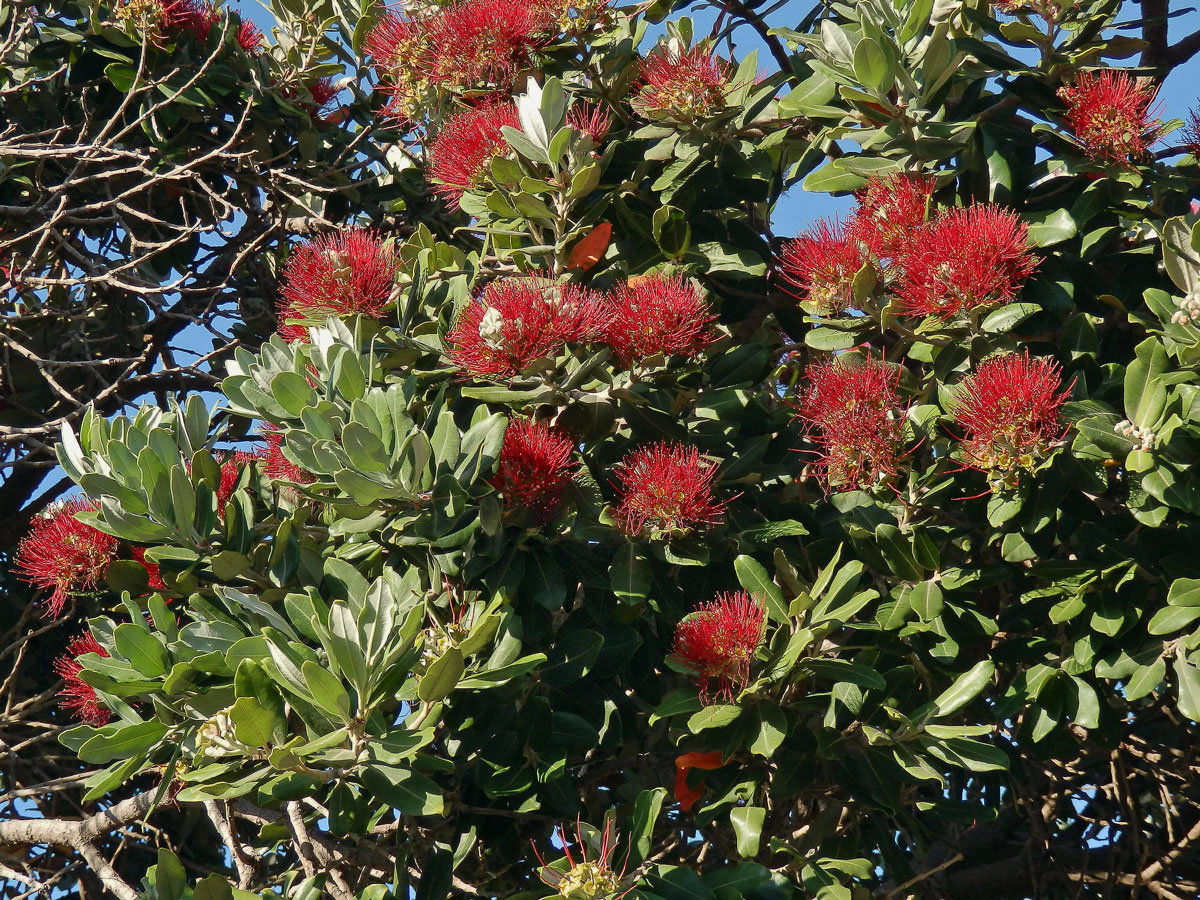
(517, 320)
(854, 414)
(684, 763)
(965, 259)
(77, 695)
(822, 264)
(591, 119)
(717, 642)
(890, 210)
(1191, 133)
(535, 466)
(462, 153)
(667, 488)
(278, 467)
(1009, 410)
(324, 91)
(158, 19)
(250, 38)
(465, 46)
(682, 85)
(586, 878)
(63, 554)
(1111, 115)
(152, 569)
(336, 275)
(231, 473)
(658, 315)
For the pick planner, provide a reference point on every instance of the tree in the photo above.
(597, 541)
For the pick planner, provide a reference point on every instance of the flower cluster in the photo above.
(63, 555)
(1143, 437)
(535, 465)
(586, 878)
(160, 20)
(591, 119)
(337, 274)
(667, 489)
(681, 85)
(717, 642)
(853, 411)
(1009, 410)
(967, 258)
(1112, 115)
(574, 17)
(658, 314)
(462, 153)
(77, 696)
(469, 46)
(822, 263)
(515, 321)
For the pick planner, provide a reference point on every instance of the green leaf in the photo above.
(630, 574)
(1184, 592)
(442, 676)
(292, 391)
(1172, 618)
(1145, 395)
(966, 687)
(716, 716)
(926, 600)
(671, 231)
(772, 729)
(677, 703)
(645, 813)
(169, 876)
(144, 651)
(754, 578)
(127, 741)
(747, 824)
(871, 67)
(1189, 689)
(410, 793)
(253, 724)
(326, 690)
(1050, 227)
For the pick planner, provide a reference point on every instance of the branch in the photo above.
(81, 835)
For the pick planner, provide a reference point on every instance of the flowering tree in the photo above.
(603, 543)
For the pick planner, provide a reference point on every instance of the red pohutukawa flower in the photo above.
(1111, 115)
(666, 488)
(232, 465)
(517, 320)
(591, 119)
(459, 47)
(586, 878)
(337, 274)
(853, 411)
(822, 263)
(1191, 133)
(681, 85)
(717, 642)
(77, 696)
(535, 466)
(63, 555)
(159, 19)
(462, 153)
(278, 467)
(1009, 411)
(250, 37)
(152, 569)
(890, 210)
(965, 259)
(658, 314)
